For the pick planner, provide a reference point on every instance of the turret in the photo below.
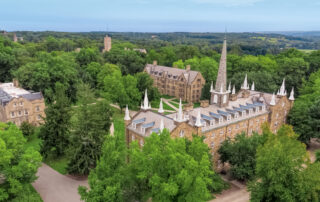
(233, 96)
(245, 88)
(161, 111)
(146, 105)
(291, 98)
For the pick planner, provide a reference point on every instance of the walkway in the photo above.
(236, 193)
(314, 145)
(168, 103)
(55, 187)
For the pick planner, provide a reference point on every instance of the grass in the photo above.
(306, 50)
(33, 141)
(59, 164)
(174, 104)
(195, 105)
(156, 103)
(167, 96)
(178, 101)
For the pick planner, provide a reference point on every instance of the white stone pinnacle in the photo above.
(252, 86)
(161, 107)
(291, 95)
(211, 87)
(198, 121)
(234, 90)
(273, 100)
(127, 115)
(245, 84)
(146, 104)
(161, 127)
(283, 88)
(229, 88)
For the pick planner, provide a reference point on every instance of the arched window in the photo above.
(215, 99)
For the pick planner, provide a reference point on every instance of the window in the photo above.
(14, 104)
(224, 98)
(38, 117)
(181, 134)
(220, 120)
(215, 99)
(221, 132)
(243, 113)
(12, 114)
(20, 113)
(236, 115)
(230, 129)
(212, 135)
(263, 107)
(228, 117)
(250, 111)
(25, 112)
(257, 109)
(37, 108)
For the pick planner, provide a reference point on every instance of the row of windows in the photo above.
(21, 112)
(16, 104)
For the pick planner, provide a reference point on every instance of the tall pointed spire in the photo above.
(234, 90)
(292, 95)
(160, 107)
(273, 100)
(127, 115)
(180, 114)
(245, 84)
(198, 121)
(146, 105)
(229, 88)
(252, 86)
(222, 72)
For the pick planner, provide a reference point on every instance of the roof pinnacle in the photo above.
(273, 100)
(127, 115)
(198, 121)
(161, 107)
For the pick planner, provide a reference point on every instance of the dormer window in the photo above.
(236, 115)
(250, 111)
(211, 122)
(220, 120)
(228, 117)
(181, 134)
(257, 109)
(263, 107)
(143, 130)
(243, 113)
(134, 125)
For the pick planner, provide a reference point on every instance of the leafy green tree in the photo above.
(8, 61)
(178, 64)
(56, 129)
(46, 71)
(18, 166)
(130, 83)
(108, 180)
(317, 155)
(168, 169)
(284, 171)
(91, 126)
(27, 129)
(241, 153)
(87, 56)
(144, 81)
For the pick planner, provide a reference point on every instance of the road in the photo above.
(55, 187)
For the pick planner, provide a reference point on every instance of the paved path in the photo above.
(54, 187)
(314, 145)
(168, 103)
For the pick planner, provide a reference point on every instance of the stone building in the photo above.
(180, 83)
(227, 114)
(18, 105)
(107, 44)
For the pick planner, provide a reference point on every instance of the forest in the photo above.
(72, 72)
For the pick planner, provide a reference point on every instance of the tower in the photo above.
(107, 44)
(220, 95)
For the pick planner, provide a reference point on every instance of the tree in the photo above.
(164, 169)
(317, 153)
(241, 153)
(87, 56)
(27, 129)
(8, 61)
(18, 166)
(91, 126)
(284, 171)
(56, 129)
(144, 81)
(168, 169)
(46, 71)
(108, 180)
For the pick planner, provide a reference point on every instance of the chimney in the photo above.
(155, 63)
(188, 68)
(15, 83)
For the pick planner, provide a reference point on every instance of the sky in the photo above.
(160, 15)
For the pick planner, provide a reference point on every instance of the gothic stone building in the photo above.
(227, 114)
(18, 105)
(180, 83)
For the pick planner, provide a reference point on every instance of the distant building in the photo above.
(18, 105)
(180, 83)
(16, 39)
(227, 114)
(107, 44)
(141, 50)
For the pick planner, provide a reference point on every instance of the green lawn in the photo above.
(178, 101)
(174, 104)
(34, 141)
(167, 96)
(156, 103)
(59, 164)
(195, 105)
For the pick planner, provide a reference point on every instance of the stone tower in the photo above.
(107, 44)
(220, 95)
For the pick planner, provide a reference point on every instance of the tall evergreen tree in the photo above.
(91, 126)
(56, 129)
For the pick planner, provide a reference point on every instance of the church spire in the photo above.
(161, 127)
(229, 88)
(252, 86)
(160, 107)
(222, 72)
(283, 88)
(179, 116)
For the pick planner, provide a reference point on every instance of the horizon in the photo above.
(161, 16)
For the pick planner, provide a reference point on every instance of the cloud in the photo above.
(228, 2)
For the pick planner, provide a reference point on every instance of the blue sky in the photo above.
(160, 15)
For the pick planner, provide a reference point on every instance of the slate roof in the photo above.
(174, 72)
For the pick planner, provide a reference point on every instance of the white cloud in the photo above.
(228, 2)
